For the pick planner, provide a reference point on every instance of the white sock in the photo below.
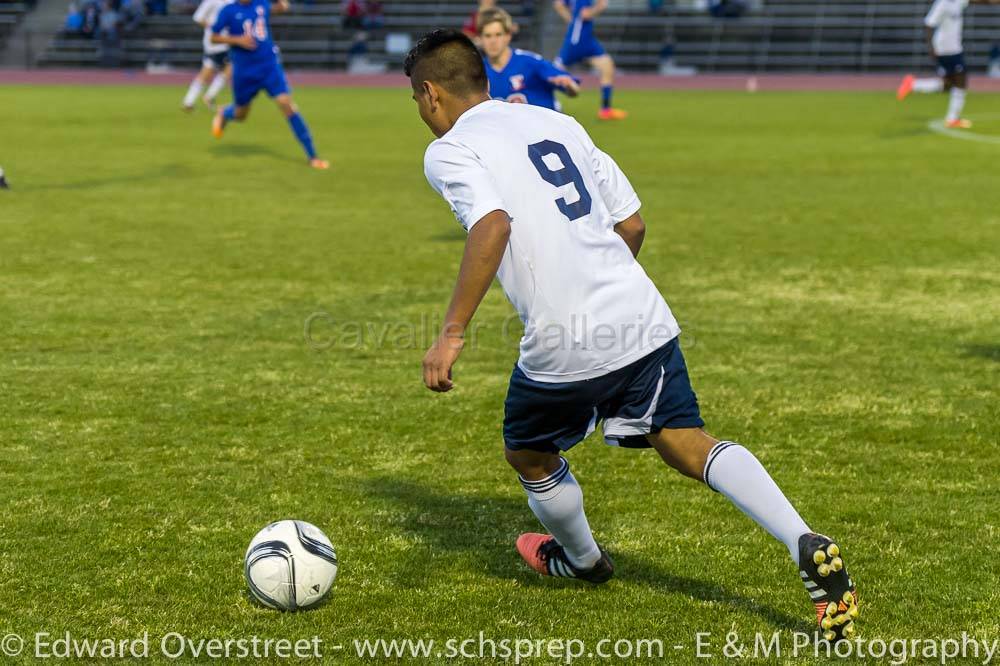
(217, 83)
(557, 501)
(928, 85)
(193, 91)
(737, 474)
(956, 103)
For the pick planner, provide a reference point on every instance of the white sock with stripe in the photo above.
(216, 86)
(737, 474)
(928, 85)
(955, 104)
(557, 501)
(193, 91)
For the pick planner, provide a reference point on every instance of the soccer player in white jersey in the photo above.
(556, 220)
(214, 62)
(944, 38)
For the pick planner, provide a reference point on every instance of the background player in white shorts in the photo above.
(944, 38)
(215, 61)
(557, 222)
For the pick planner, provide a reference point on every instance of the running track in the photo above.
(760, 82)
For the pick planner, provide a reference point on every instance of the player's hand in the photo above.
(587, 13)
(438, 361)
(567, 83)
(246, 41)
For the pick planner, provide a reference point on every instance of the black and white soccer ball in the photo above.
(290, 565)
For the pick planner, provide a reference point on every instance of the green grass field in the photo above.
(832, 261)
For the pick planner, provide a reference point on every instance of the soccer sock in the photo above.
(737, 474)
(956, 103)
(228, 113)
(302, 134)
(928, 85)
(216, 86)
(606, 96)
(557, 501)
(193, 91)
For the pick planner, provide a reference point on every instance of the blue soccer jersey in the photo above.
(252, 17)
(579, 43)
(525, 79)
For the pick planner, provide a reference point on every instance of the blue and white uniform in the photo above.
(525, 79)
(579, 43)
(599, 341)
(257, 69)
(945, 18)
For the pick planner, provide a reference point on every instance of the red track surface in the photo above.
(761, 82)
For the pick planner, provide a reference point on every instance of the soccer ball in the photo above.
(290, 565)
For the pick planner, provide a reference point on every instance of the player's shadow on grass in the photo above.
(481, 530)
(989, 352)
(250, 150)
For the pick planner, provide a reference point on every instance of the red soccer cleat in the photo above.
(544, 554)
(612, 114)
(905, 88)
(960, 123)
(317, 163)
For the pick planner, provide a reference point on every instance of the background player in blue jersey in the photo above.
(516, 75)
(245, 26)
(580, 45)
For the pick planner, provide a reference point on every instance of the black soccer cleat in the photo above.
(832, 591)
(544, 554)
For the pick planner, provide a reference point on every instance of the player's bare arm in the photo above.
(281, 7)
(595, 10)
(244, 41)
(567, 84)
(563, 11)
(633, 231)
(484, 250)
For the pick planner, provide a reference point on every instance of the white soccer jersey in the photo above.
(206, 14)
(945, 17)
(587, 305)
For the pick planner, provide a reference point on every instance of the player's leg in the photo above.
(911, 83)
(605, 67)
(244, 90)
(540, 421)
(220, 80)
(198, 84)
(958, 82)
(278, 88)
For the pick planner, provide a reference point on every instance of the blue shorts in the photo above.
(951, 64)
(650, 394)
(246, 86)
(587, 47)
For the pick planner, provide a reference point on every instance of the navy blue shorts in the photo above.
(650, 394)
(246, 87)
(951, 64)
(216, 60)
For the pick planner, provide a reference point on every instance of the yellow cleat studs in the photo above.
(819, 557)
(848, 597)
(831, 609)
(823, 570)
(827, 623)
(829, 635)
(833, 550)
(853, 612)
(837, 564)
(849, 630)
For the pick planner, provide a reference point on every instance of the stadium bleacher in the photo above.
(10, 15)
(779, 35)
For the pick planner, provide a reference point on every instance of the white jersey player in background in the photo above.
(556, 220)
(214, 61)
(943, 24)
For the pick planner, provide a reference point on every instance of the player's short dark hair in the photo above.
(450, 59)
